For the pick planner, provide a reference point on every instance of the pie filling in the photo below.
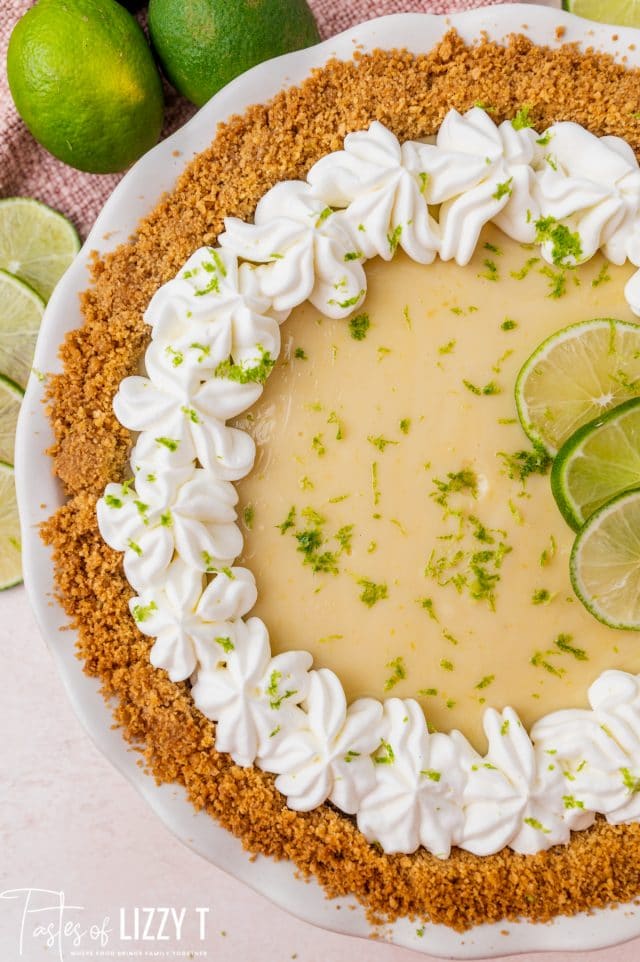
(399, 528)
(392, 530)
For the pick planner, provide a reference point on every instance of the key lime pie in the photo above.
(312, 544)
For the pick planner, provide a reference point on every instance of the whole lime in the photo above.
(85, 83)
(203, 44)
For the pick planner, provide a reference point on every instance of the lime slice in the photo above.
(625, 13)
(36, 243)
(10, 400)
(597, 463)
(21, 311)
(605, 563)
(10, 561)
(576, 375)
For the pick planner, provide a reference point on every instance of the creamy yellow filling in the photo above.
(387, 521)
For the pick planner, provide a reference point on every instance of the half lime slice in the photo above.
(625, 13)
(605, 563)
(10, 561)
(576, 375)
(37, 244)
(21, 311)
(10, 400)
(597, 463)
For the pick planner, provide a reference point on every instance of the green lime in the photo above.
(21, 311)
(10, 400)
(37, 244)
(84, 81)
(576, 375)
(600, 461)
(605, 562)
(10, 561)
(625, 13)
(203, 44)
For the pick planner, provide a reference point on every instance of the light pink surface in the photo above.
(71, 823)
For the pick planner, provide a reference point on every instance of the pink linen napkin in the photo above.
(27, 169)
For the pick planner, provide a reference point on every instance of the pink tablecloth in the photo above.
(27, 169)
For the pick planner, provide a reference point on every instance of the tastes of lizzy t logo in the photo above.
(44, 919)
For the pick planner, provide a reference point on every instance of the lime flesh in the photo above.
(10, 561)
(597, 463)
(624, 13)
(10, 400)
(575, 376)
(37, 244)
(21, 311)
(605, 563)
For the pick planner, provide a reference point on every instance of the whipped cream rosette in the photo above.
(514, 795)
(211, 311)
(599, 750)
(592, 185)
(214, 339)
(499, 186)
(419, 783)
(382, 201)
(328, 753)
(632, 292)
(252, 696)
(190, 424)
(196, 524)
(306, 252)
(183, 614)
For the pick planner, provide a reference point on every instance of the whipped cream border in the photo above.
(214, 339)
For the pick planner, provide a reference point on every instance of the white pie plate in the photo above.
(39, 493)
